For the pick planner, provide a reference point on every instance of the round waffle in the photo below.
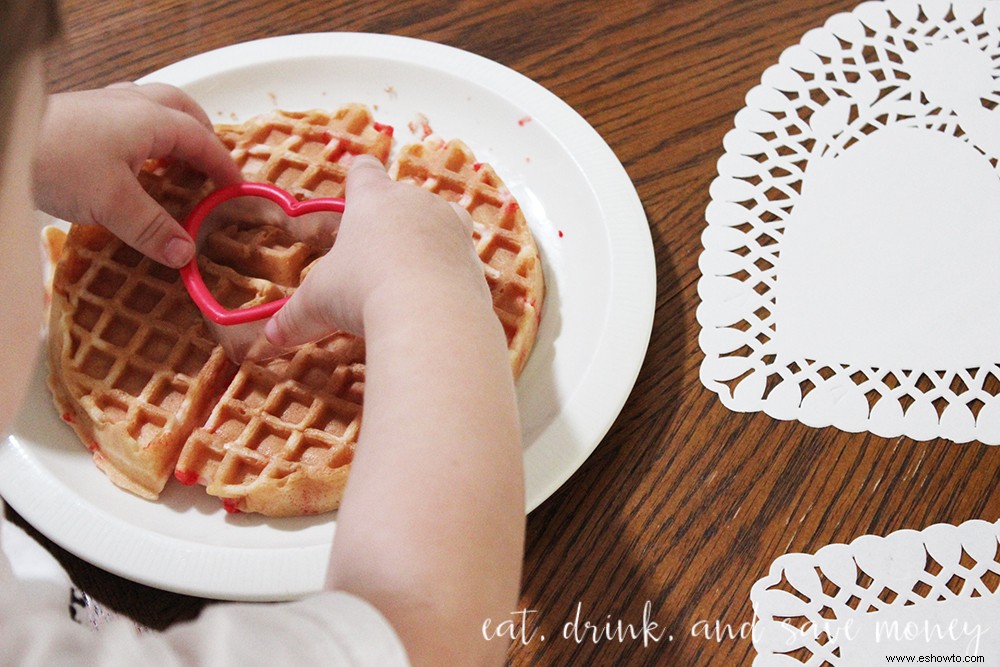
(135, 372)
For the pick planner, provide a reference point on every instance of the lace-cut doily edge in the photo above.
(838, 62)
(905, 569)
(845, 397)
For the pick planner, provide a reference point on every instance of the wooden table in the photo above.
(685, 503)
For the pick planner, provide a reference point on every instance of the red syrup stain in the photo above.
(229, 505)
(186, 477)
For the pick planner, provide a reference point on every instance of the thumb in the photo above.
(139, 221)
(364, 173)
(463, 217)
(302, 319)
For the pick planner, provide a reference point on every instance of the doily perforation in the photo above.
(842, 83)
(806, 602)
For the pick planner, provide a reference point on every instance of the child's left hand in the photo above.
(93, 144)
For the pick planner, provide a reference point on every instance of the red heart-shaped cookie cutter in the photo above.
(190, 274)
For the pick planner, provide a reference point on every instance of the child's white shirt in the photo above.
(333, 628)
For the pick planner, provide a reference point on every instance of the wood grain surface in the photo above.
(684, 504)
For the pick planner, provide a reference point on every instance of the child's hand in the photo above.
(431, 526)
(93, 144)
(394, 238)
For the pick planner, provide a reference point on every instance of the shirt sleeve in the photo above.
(333, 628)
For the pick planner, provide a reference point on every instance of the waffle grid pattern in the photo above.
(500, 232)
(282, 435)
(263, 252)
(275, 437)
(135, 352)
(306, 153)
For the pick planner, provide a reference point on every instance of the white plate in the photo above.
(600, 281)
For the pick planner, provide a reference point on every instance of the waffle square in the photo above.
(501, 234)
(281, 438)
(306, 153)
(136, 368)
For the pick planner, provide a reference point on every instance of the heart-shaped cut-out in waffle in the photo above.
(193, 281)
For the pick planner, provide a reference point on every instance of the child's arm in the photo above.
(432, 522)
(93, 143)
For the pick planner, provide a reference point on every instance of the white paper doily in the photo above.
(927, 593)
(851, 263)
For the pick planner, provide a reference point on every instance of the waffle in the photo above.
(134, 367)
(275, 437)
(281, 438)
(503, 241)
(306, 153)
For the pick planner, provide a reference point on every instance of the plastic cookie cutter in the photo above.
(240, 329)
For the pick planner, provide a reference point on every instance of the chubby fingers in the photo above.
(332, 297)
(303, 318)
(182, 137)
(365, 172)
(168, 96)
(138, 220)
(311, 312)
(463, 217)
(182, 130)
(175, 98)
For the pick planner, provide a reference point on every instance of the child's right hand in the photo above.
(431, 526)
(395, 239)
